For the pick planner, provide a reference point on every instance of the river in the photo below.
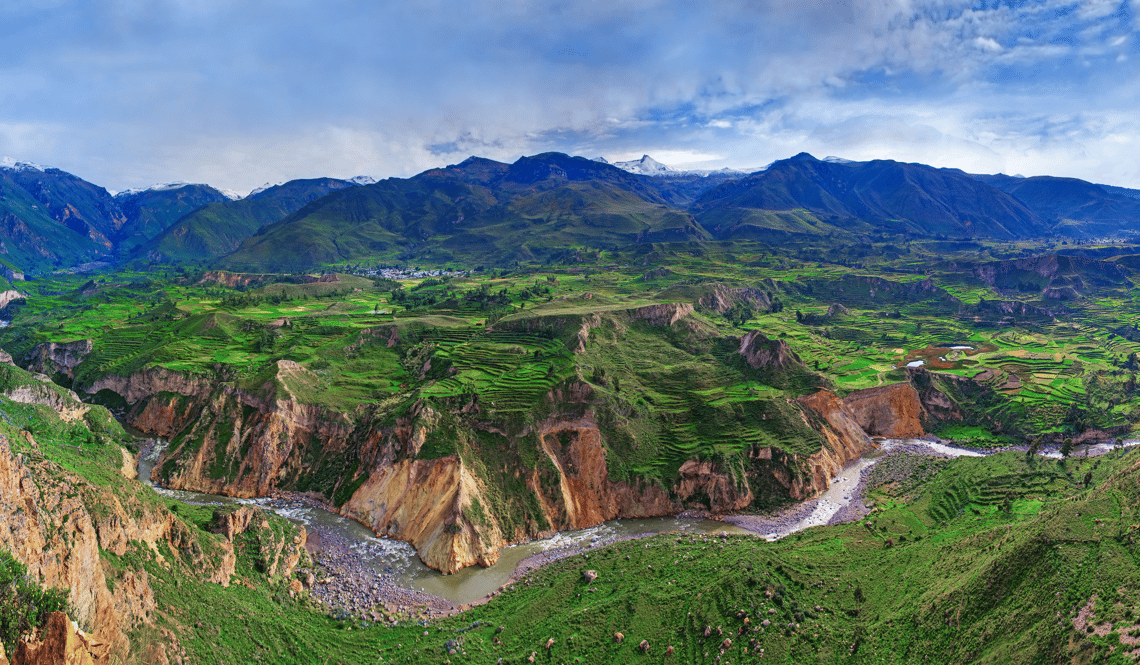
(397, 562)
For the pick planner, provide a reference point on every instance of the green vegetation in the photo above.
(24, 606)
(961, 560)
(990, 560)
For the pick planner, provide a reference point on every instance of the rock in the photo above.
(763, 353)
(618, 637)
(726, 643)
(63, 643)
(549, 643)
(590, 576)
(669, 651)
(708, 631)
(533, 655)
(894, 411)
(644, 646)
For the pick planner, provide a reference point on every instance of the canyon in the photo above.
(250, 441)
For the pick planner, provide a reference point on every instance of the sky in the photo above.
(237, 93)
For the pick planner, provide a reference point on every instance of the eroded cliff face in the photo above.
(760, 352)
(51, 531)
(428, 503)
(844, 442)
(9, 296)
(894, 411)
(47, 523)
(233, 441)
(54, 359)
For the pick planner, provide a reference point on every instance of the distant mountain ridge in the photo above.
(217, 228)
(540, 207)
(805, 195)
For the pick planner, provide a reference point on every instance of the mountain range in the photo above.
(537, 208)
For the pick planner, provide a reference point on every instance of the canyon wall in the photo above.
(246, 440)
(894, 411)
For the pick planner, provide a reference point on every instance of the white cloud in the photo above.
(987, 44)
(134, 91)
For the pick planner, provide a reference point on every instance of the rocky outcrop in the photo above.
(51, 358)
(427, 503)
(63, 644)
(893, 411)
(704, 478)
(844, 442)
(663, 315)
(56, 524)
(937, 404)
(141, 385)
(722, 298)
(8, 297)
(51, 532)
(585, 492)
(772, 354)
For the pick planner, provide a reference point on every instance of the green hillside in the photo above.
(219, 228)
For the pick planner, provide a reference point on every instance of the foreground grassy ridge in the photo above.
(999, 576)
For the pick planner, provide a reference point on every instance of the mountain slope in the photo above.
(86, 209)
(151, 211)
(478, 209)
(1074, 207)
(218, 228)
(807, 196)
(31, 240)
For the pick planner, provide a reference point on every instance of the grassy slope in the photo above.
(998, 581)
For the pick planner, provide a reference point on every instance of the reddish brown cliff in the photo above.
(894, 411)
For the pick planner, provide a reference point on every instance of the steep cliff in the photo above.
(459, 477)
(844, 442)
(894, 411)
(54, 359)
(70, 508)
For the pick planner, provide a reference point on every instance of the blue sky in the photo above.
(126, 93)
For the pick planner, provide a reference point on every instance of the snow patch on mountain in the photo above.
(9, 164)
(839, 160)
(163, 187)
(646, 166)
(232, 195)
(363, 180)
(651, 167)
(264, 187)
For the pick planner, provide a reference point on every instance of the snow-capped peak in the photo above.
(603, 160)
(10, 164)
(163, 187)
(231, 194)
(363, 180)
(645, 166)
(263, 188)
(838, 160)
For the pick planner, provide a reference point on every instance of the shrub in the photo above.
(24, 606)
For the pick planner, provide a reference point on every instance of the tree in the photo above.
(1067, 447)
(739, 314)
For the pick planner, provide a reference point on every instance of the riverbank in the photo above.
(374, 579)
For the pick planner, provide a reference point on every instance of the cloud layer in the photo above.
(240, 92)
